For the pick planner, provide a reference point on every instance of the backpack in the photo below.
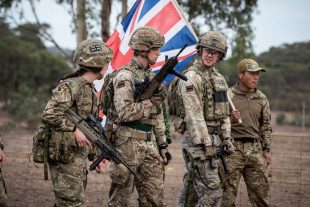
(107, 94)
(175, 103)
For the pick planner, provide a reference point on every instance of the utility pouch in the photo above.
(40, 144)
(197, 153)
(221, 105)
(67, 147)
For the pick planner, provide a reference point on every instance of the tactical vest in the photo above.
(85, 103)
(107, 91)
(215, 101)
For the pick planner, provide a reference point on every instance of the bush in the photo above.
(281, 119)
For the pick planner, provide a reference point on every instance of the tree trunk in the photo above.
(81, 31)
(124, 8)
(105, 19)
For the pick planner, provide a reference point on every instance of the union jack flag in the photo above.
(163, 15)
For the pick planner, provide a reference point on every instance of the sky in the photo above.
(276, 22)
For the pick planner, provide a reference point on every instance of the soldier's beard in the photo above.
(151, 62)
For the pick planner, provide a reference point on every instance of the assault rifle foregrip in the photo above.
(107, 149)
(147, 91)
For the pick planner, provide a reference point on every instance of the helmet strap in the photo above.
(145, 56)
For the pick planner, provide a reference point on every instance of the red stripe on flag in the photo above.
(157, 64)
(165, 19)
(114, 42)
(119, 59)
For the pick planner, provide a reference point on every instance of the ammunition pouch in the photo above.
(61, 147)
(40, 144)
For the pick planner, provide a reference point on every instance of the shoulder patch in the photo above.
(121, 84)
(62, 93)
(189, 88)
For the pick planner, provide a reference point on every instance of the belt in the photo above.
(138, 126)
(245, 139)
(135, 133)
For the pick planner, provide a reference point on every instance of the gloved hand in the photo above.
(164, 153)
(228, 146)
(208, 151)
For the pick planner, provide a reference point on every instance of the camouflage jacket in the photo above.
(130, 111)
(255, 114)
(201, 113)
(73, 93)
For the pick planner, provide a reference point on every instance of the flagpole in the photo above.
(189, 25)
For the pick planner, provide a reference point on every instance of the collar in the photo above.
(202, 68)
(138, 65)
(236, 89)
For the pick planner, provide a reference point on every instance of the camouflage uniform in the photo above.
(251, 137)
(3, 192)
(140, 130)
(203, 120)
(67, 162)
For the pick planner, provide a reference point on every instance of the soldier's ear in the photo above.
(240, 75)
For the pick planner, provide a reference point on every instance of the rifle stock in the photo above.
(94, 132)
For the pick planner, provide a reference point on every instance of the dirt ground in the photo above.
(27, 188)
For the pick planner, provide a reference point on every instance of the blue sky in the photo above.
(277, 22)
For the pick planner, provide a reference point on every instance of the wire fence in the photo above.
(289, 173)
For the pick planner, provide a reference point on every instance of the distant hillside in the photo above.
(287, 81)
(55, 51)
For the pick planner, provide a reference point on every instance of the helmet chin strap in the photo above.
(150, 62)
(99, 76)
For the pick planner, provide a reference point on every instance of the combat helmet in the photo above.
(92, 53)
(213, 40)
(145, 38)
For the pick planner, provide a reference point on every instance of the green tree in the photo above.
(28, 73)
(220, 15)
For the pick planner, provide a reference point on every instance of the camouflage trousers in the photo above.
(202, 184)
(3, 192)
(144, 156)
(247, 161)
(70, 179)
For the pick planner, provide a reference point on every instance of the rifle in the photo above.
(147, 88)
(94, 132)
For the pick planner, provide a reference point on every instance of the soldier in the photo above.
(140, 131)
(202, 117)
(3, 192)
(251, 138)
(68, 146)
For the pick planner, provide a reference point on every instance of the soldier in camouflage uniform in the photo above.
(3, 192)
(68, 146)
(140, 131)
(251, 138)
(202, 117)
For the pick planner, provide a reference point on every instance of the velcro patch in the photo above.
(120, 84)
(189, 88)
(95, 48)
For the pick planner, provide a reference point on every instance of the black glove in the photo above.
(228, 146)
(164, 153)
